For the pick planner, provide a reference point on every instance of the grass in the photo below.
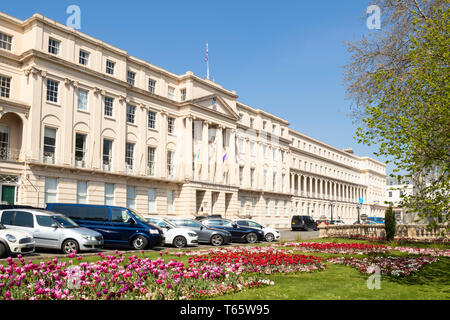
(338, 282)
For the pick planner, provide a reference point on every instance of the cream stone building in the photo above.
(83, 121)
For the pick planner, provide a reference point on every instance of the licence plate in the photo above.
(28, 246)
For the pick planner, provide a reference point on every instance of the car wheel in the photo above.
(217, 240)
(179, 242)
(139, 243)
(270, 237)
(2, 251)
(70, 246)
(252, 237)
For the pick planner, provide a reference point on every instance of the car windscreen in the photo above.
(65, 222)
(138, 216)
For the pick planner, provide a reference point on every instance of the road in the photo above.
(286, 235)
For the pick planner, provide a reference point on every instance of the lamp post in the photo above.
(358, 207)
(331, 206)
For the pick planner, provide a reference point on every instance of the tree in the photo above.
(399, 82)
(389, 223)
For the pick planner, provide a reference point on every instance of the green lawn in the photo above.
(338, 282)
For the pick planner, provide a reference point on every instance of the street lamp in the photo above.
(331, 206)
(358, 207)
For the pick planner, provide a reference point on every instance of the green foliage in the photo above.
(389, 223)
(408, 117)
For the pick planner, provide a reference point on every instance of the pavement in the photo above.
(289, 235)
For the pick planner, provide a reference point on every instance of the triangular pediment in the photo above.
(215, 103)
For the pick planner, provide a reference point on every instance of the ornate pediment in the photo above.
(215, 103)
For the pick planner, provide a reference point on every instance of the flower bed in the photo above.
(337, 248)
(116, 277)
(424, 251)
(391, 266)
(265, 260)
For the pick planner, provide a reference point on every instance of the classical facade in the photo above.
(83, 121)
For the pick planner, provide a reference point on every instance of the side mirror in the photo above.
(131, 221)
(235, 225)
(54, 226)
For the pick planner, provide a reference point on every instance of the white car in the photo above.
(270, 234)
(176, 236)
(15, 242)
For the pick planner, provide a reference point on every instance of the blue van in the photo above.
(120, 227)
(376, 219)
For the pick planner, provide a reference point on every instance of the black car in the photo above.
(238, 233)
(216, 237)
(206, 217)
(304, 223)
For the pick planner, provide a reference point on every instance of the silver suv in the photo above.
(52, 230)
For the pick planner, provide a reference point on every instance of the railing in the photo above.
(410, 231)
(10, 154)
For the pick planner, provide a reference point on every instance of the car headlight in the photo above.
(192, 234)
(10, 238)
(90, 238)
(153, 231)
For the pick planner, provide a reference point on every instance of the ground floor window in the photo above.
(152, 201)
(131, 197)
(51, 190)
(170, 201)
(82, 192)
(109, 194)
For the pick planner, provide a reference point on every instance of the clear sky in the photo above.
(285, 57)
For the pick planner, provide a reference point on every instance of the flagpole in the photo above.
(207, 62)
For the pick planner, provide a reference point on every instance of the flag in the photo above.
(224, 157)
(207, 53)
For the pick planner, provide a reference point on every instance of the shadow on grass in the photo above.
(437, 273)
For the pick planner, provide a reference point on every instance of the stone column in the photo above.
(188, 151)
(219, 154)
(204, 176)
(161, 153)
(67, 148)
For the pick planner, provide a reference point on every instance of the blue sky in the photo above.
(285, 57)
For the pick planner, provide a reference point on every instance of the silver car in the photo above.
(52, 230)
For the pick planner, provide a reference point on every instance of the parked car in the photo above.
(179, 237)
(338, 222)
(304, 223)
(213, 236)
(326, 222)
(211, 216)
(51, 230)
(376, 220)
(238, 233)
(270, 234)
(120, 227)
(15, 242)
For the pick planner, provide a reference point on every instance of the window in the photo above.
(107, 154)
(80, 150)
(274, 181)
(267, 208)
(241, 145)
(5, 86)
(252, 122)
(170, 201)
(152, 120)
(83, 100)
(51, 190)
(82, 192)
(274, 128)
(131, 113)
(24, 219)
(131, 77)
(52, 91)
(285, 207)
(282, 132)
(242, 200)
(152, 201)
(274, 154)
(171, 93)
(265, 151)
(131, 197)
(53, 46)
(4, 142)
(171, 125)
(265, 178)
(276, 208)
(390, 194)
(170, 164)
(84, 58)
(119, 215)
(183, 94)
(283, 156)
(152, 86)
(110, 67)
(109, 194)
(151, 161)
(252, 149)
(241, 175)
(49, 145)
(129, 155)
(264, 125)
(252, 177)
(44, 221)
(109, 106)
(283, 182)
(5, 41)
